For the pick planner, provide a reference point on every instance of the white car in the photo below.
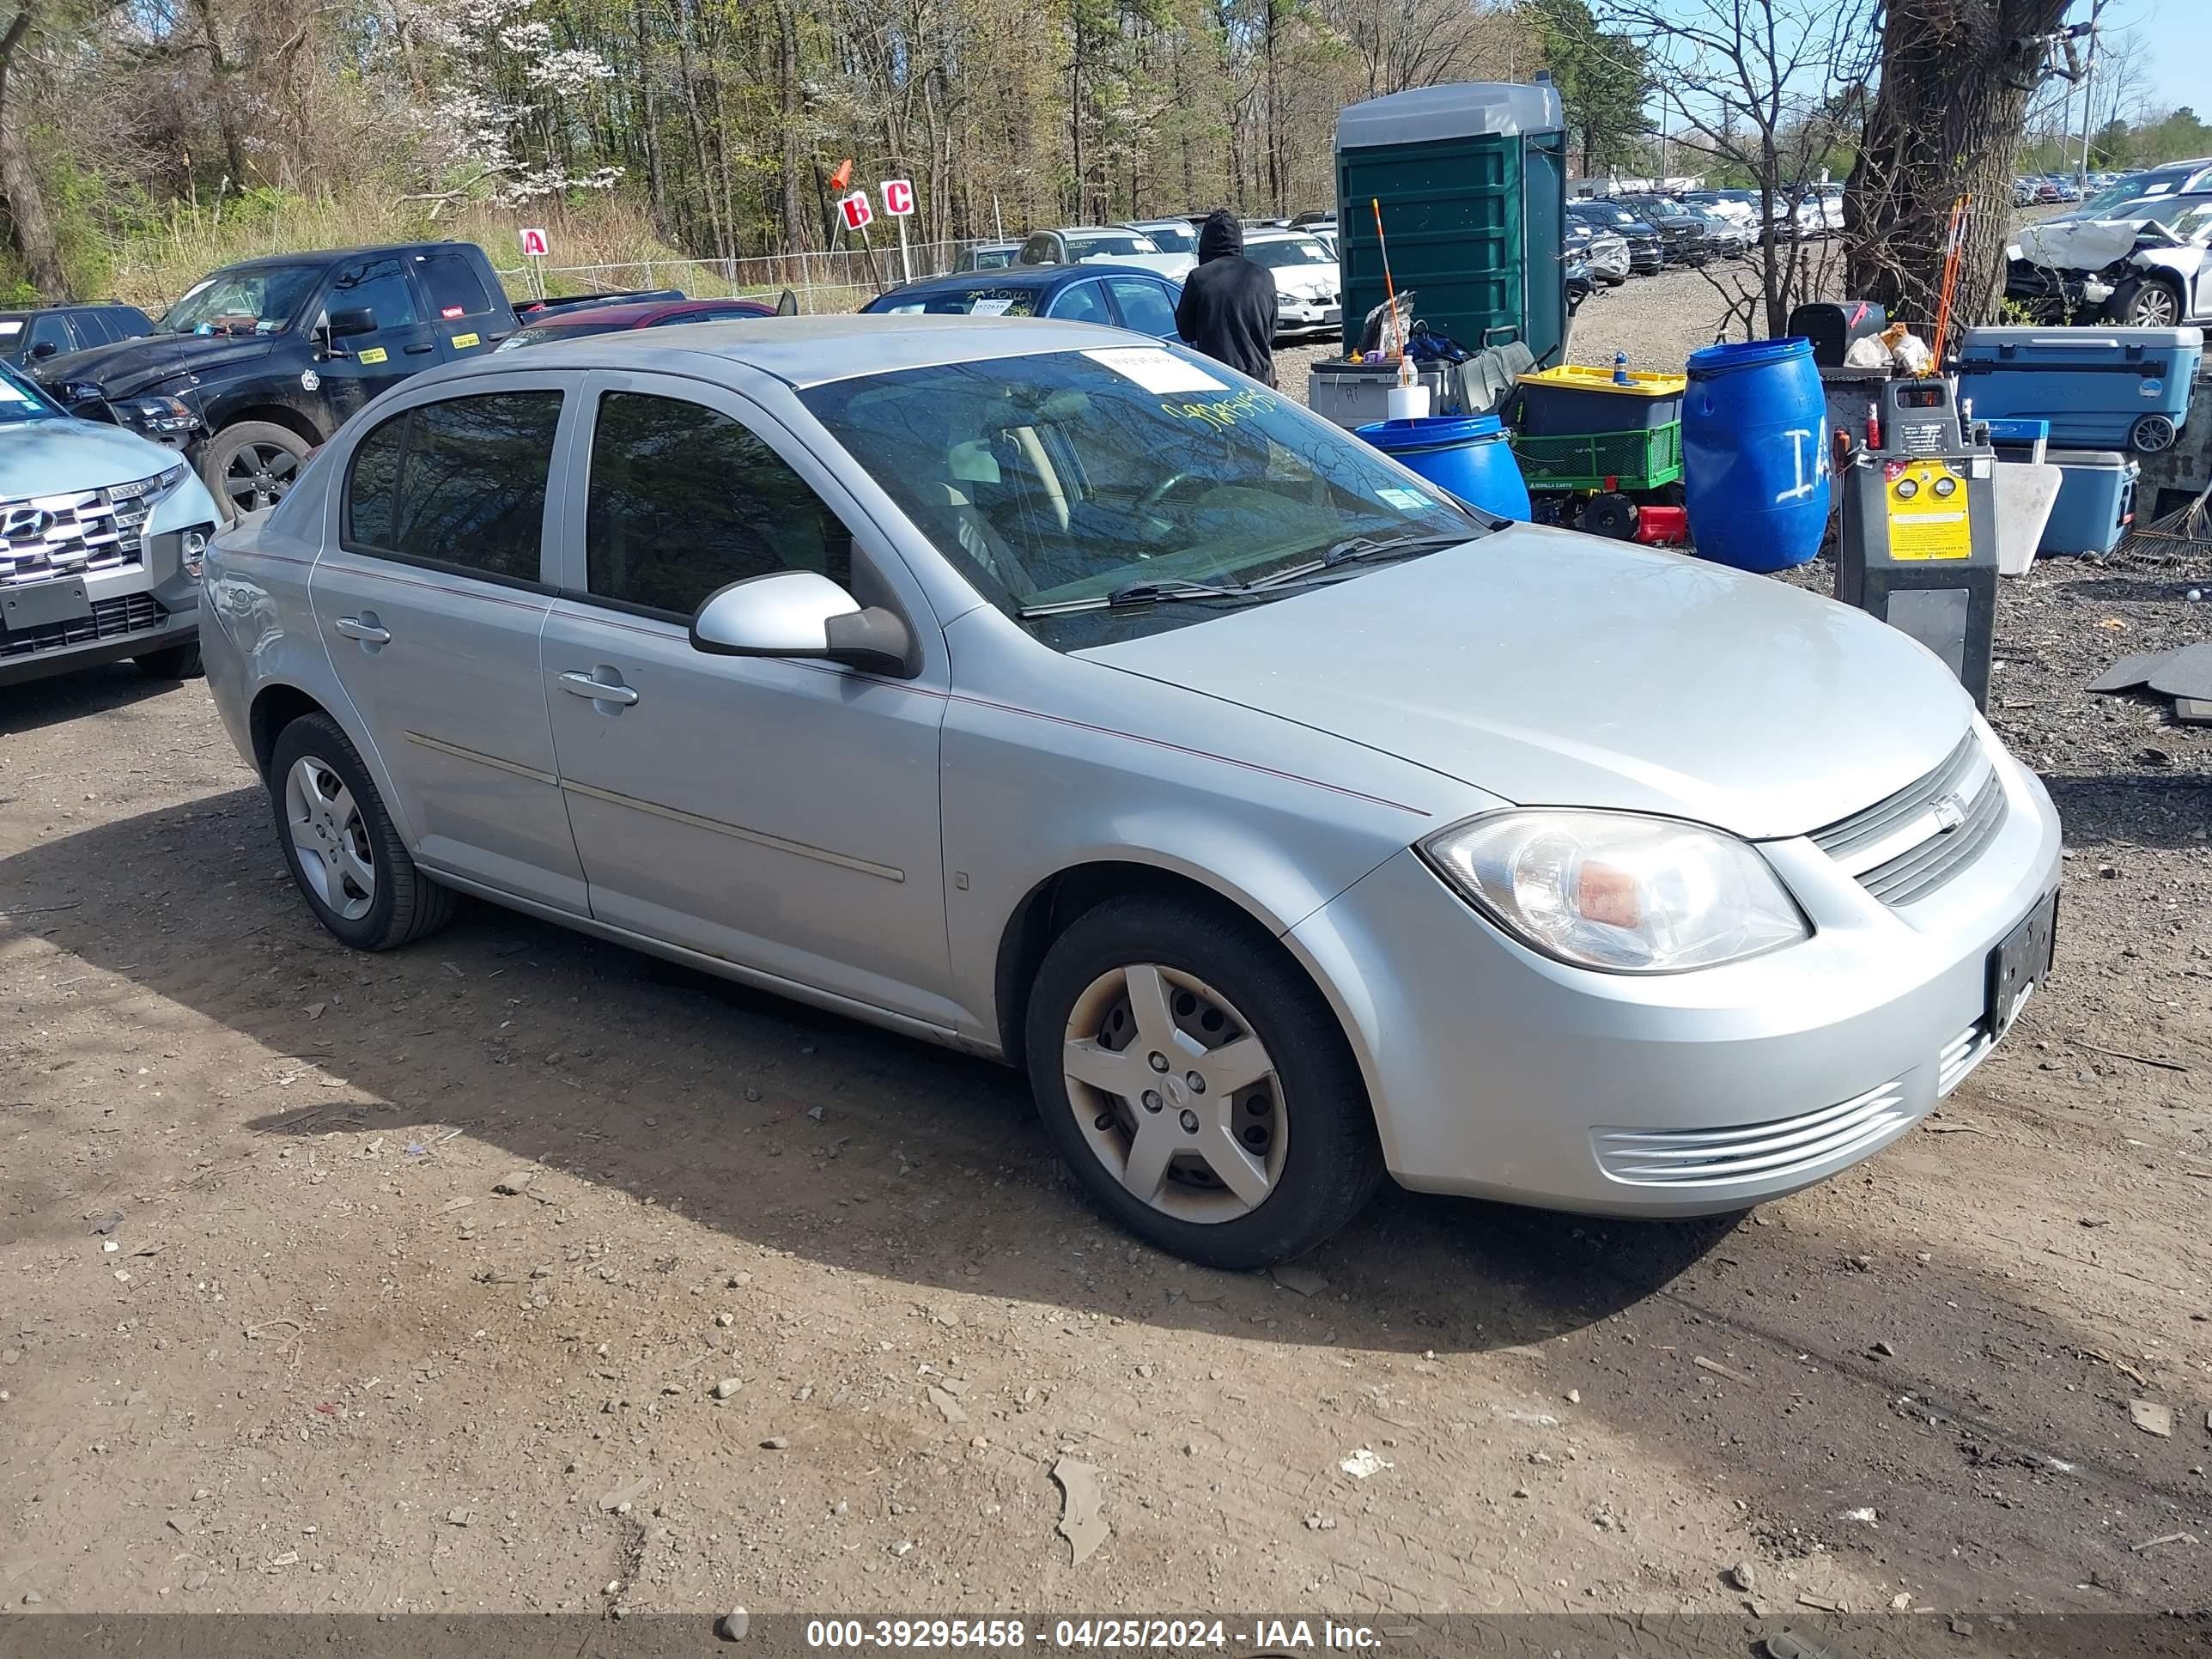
(101, 534)
(1102, 244)
(1308, 285)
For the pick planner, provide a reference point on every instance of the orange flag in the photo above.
(843, 175)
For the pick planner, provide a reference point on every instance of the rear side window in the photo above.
(459, 484)
(1146, 306)
(1040, 250)
(684, 500)
(452, 286)
(92, 327)
(1083, 303)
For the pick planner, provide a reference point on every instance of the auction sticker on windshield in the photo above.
(1156, 370)
(1407, 501)
(997, 308)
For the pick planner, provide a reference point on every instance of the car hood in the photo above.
(55, 457)
(1306, 279)
(2090, 244)
(1553, 669)
(128, 366)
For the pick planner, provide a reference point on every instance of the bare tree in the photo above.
(1770, 91)
(31, 226)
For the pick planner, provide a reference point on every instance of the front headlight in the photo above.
(155, 416)
(1618, 891)
(158, 488)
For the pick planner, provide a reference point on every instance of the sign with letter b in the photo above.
(857, 213)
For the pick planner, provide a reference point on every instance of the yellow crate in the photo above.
(1582, 377)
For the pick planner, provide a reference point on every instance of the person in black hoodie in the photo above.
(1228, 304)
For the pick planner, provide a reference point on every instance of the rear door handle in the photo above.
(584, 685)
(420, 346)
(368, 633)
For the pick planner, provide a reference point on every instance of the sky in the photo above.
(2178, 34)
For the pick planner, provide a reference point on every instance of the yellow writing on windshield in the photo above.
(1222, 413)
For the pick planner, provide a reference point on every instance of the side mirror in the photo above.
(358, 320)
(796, 613)
(44, 348)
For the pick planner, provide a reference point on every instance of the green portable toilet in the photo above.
(1472, 180)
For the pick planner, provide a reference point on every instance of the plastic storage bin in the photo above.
(1352, 395)
(2100, 388)
(1576, 400)
(2096, 498)
(1466, 454)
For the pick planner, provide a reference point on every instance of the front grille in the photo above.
(129, 613)
(85, 532)
(1960, 1055)
(1903, 847)
(1778, 1150)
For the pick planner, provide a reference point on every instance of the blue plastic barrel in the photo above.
(1465, 454)
(1755, 454)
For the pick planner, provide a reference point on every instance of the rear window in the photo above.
(459, 485)
(451, 285)
(980, 300)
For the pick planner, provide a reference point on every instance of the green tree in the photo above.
(1601, 78)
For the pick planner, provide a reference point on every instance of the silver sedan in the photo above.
(1043, 691)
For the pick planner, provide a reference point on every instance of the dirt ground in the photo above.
(272, 1338)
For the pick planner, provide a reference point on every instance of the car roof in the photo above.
(803, 352)
(1006, 276)
(1279, 233)
(638, 313)
(332, 255)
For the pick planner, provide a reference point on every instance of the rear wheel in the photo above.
(341, 845)
(1198, 1084)
(252, 465)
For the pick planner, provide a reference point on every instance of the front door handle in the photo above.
(366, 632)
(420, 347)
(584, 685)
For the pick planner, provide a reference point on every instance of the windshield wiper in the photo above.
(1355, 548)
(1165, 590)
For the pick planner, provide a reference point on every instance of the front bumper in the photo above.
(1499, 1074)
(1309, 314)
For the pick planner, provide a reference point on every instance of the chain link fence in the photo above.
(841, 280)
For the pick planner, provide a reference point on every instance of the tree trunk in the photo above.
(219, 77)
(656, 185)
(34, 235)
(1948, 121)
(787, 102)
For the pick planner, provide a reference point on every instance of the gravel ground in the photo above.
(418, 1281)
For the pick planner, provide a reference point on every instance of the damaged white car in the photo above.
(2143, 262)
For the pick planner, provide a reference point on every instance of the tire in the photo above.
(172, 662)
(2152, 434)
(244, 465)
(1610, 515)
(346, 820)
(2145, 302)
(1310, 1160)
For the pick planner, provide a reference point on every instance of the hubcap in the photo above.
(330, 837)
(2155, 309)
(258, 475)
(1175, 1093)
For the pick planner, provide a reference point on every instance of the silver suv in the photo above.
(1053, 693)
(101, 533)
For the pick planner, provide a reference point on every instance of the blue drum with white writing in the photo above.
(1755, 454)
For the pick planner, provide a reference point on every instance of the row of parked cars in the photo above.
(2137, 253)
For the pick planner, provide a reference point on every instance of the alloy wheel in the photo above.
(2154, 307)
(258, 475)
(1175, 1093)
(330, 837)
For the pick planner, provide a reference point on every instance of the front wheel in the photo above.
(250, 466)
(341, 845)
(2145, 302)
(172, 662)
(1198, 1084)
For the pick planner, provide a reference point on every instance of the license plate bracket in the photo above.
(2020, 963)
(41, 605)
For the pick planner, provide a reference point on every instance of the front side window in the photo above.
(1055, 483)
(1041, 249)
(460, 483)
(379, 286)
(685, 499)
(50, 334)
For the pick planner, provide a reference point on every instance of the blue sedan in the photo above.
(1118, 297)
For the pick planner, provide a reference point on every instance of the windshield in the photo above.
(21, 401)
(1606, 213)
(1290, 250)
(982, 299)
(1173, 239)
(259, 301)
(1069, 476)
(1116, 244)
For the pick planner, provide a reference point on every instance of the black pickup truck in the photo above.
(260, 361)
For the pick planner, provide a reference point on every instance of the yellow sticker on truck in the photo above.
(460, 340)
(1927, 510)
(373, 355)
